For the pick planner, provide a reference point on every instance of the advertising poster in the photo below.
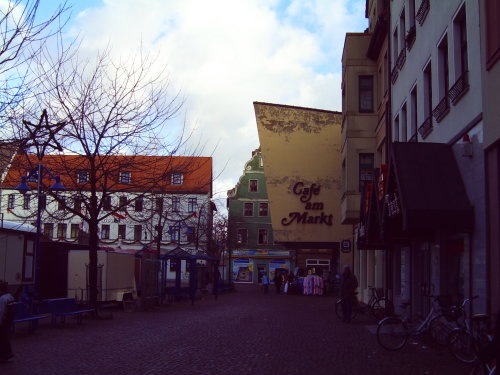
(242, 270)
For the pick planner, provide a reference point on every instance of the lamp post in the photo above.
(37, 174)
(41, 136)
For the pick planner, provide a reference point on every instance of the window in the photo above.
(396, 129)
(106, 204)
(248, 209)
(395, 48)
(122, 231)
(413, 114)
(82, 176)
(492, 33)
(460, 28)
(190, 234)
(123, 203)
(173, 230)
(61, 203)
(253, 186)
(172, 265)
(11, 203)
(48, 230)
(404, 125)
(137, 232)
(176, 203)
(177, 178)
(125, 178)
(263, 209)
(427, 90)
(42, 201)
(366, 164)
(192, 204)
(402, 30)
(242, 236)
(262, 236)
(138, 204)
(411, 13)
(365, 94)
(105, 231)
(61, 230)
(27, 202)
(75, 230)
(443, 68)
(77, 201)
(159, 204)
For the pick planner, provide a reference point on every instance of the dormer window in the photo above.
(125, 178)
(177, 178)
(82, 176)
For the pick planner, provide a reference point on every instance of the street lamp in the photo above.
(37, 175)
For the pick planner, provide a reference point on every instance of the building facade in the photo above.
(301, 154)
(142, 202)
(253, 251)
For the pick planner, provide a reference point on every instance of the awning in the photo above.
(425, 190)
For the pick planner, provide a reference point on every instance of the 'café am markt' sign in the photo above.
(313, 210)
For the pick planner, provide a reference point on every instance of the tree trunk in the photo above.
(93, 246)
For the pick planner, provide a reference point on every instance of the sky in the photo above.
(225, 54)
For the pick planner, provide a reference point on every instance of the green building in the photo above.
(252, 250)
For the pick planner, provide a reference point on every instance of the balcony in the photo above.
(423, 11)
(459, 89)
(401, 59)
(426, 127)
(410, 37)
(394, 74)
(441, 109)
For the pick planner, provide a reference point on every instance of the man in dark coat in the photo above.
(348, 288)
(6, 315)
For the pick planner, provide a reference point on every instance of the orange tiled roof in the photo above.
(148, 173)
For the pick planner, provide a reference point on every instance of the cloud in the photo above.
(225, 54)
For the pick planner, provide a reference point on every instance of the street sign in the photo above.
(345, 246)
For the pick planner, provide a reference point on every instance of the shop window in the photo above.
(242, 236)
(366, 165)
(248, 209)
(253, 186)
(262, 236)
(263, 209)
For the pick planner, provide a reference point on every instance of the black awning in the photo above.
(425, 190)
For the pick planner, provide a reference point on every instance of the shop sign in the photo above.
(306, 195)
(345, 246)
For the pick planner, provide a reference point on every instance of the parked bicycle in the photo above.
(378, 305)
(393, 332)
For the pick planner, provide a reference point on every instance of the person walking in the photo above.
(6, 316)
(348, 287)
(265, 283)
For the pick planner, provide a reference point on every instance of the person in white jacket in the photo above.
(6, 315)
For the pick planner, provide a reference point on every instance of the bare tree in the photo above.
(114, 139)
(22, 37)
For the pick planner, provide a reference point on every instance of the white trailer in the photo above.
(116, 275)
(17, 254)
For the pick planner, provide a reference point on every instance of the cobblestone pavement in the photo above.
(243, 332)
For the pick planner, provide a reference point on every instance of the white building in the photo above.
(436, 98)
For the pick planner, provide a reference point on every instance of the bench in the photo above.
(63, 307)
(22, 314)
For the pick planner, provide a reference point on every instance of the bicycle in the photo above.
(378, 305)
(393, 332)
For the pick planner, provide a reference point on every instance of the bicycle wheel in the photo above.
(462, 345)
(339, 310)
(392, 333)
(439, 330)
(381, 308)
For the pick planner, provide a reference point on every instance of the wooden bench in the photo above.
(63, 307)
(22, 314)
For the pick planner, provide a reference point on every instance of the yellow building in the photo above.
(302, 163)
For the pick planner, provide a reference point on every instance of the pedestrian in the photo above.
(348, 287)
(278, 281)
(265, 283)
(6, 316)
